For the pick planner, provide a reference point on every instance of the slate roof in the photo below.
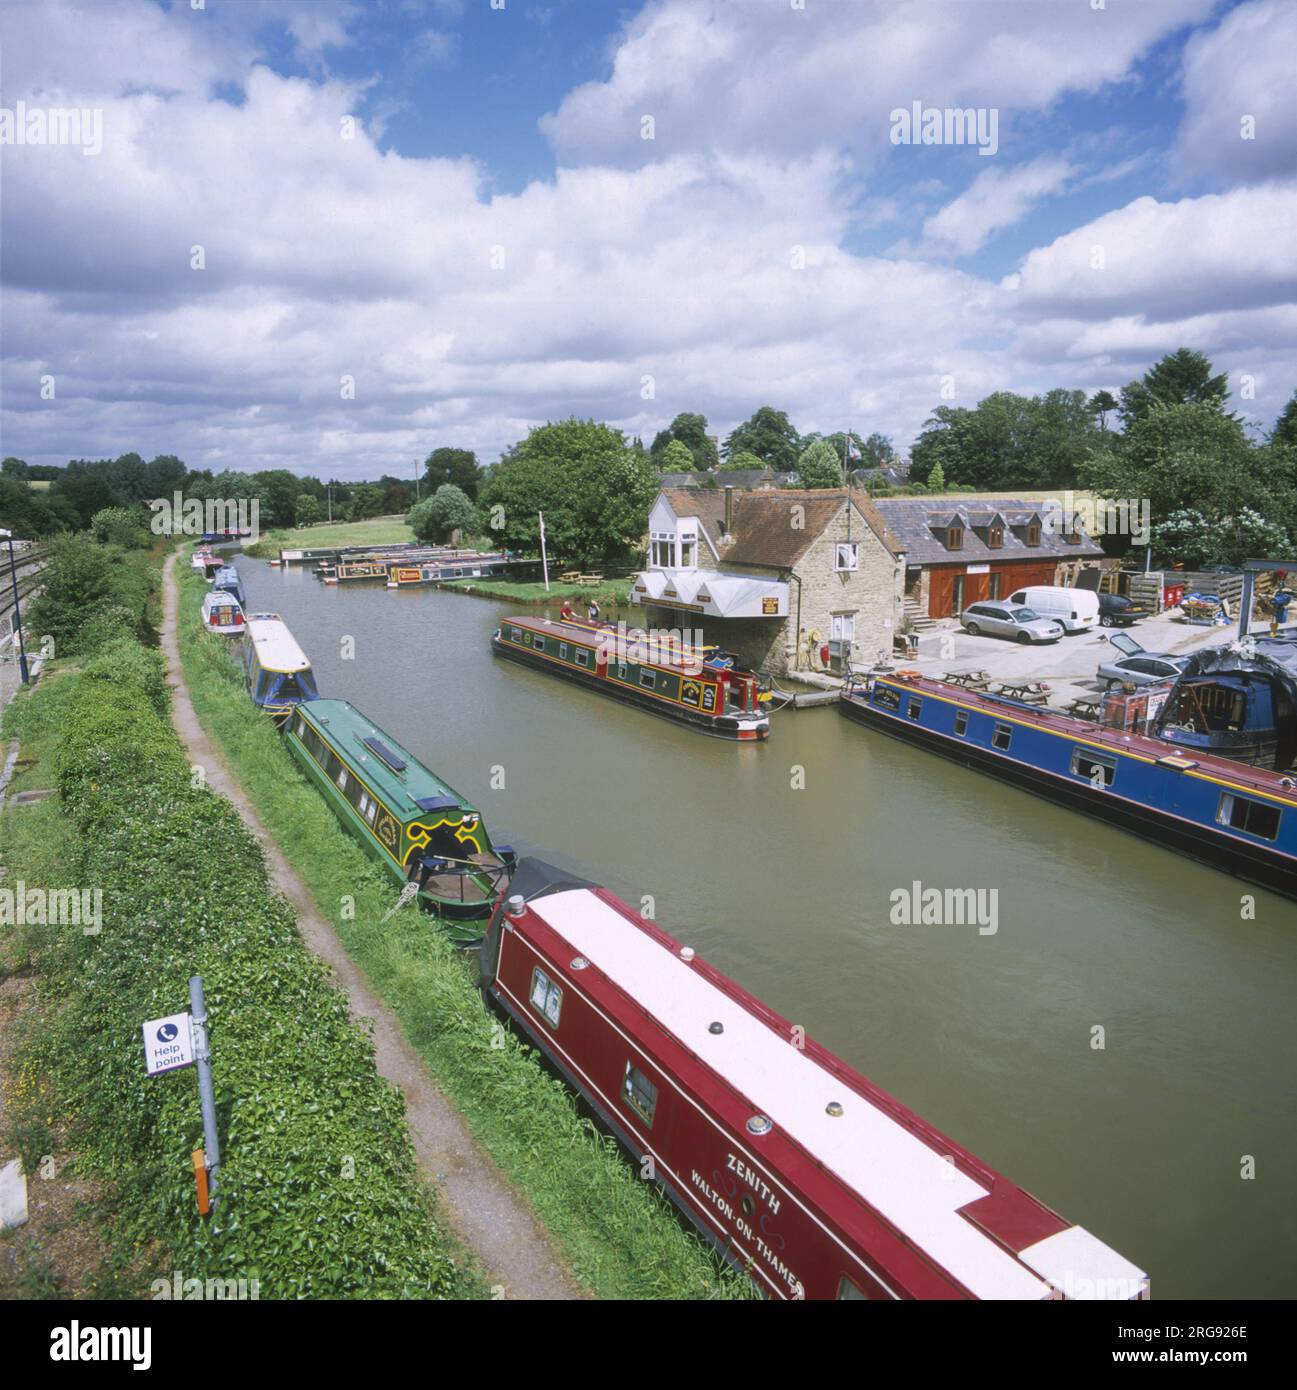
(761, 532)
(920, 524)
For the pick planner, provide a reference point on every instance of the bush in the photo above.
(319, 1194)
(121, 526)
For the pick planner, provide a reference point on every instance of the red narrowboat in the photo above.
(799, 1170)
(657, 671)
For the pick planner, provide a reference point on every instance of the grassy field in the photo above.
(618, 1234)
(378, 530)
(516, 591)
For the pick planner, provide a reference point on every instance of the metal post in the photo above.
(544, 561)
(1245, 606)
(18, 617)
(203, 1059)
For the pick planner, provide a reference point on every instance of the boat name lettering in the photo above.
(754, 1180)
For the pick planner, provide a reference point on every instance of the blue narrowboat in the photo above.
(1236, 817)
(227, 579)
(276, 671)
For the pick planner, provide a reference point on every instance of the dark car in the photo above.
(1115, 610)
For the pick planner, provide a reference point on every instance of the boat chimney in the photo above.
(729, 507)
(516, 905)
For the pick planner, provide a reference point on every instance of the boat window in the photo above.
(517, 635)
(342, 779)
(1002, 737)
(582, 657)
(562, 651)
(646, 677)
(538, 642)
(961, 722)
(372, 812)
(847, 1290)
(639, 1093)
(621, 673)
(546, 997)
(363, 804)
(914, 708)
(1252, 817)
(301, 728)
(1098, 770)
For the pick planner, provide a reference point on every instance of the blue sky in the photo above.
(495, 243)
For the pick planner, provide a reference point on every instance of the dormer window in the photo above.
(995, 535)
(662, 550)
(954, 537)
(688, 552)
(1033, 533)
(1072, 536)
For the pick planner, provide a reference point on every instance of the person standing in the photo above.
(592, 613)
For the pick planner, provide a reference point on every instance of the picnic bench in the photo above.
(968, 680)
(1029, 692)
(586, 580)
(1084, 707)
(569, 577)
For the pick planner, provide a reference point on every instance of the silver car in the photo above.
(997, 618)
(1138, 666)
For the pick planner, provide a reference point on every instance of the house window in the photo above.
(1252, 817)
(847, 556)
(995, 536)
(639, 1093)
(1072, 536)
(1096, 769)
(546, 997)
(1033, 533)
(1002, 737)
(663, 550)
(842, 627)
(688, 552)
(961, 722)
(954, 538)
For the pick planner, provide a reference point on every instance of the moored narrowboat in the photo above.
(418, 828)
(1232, 816)
(227, 578)
(702, 687)
(222, 613)
(276, 671)
(797, 1168)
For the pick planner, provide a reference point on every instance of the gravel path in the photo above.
(489, 1217)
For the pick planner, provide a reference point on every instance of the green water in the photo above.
(778, 863)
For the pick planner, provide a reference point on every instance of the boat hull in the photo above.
(1269, 868)
(724, 726)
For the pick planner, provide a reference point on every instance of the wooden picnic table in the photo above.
(569, 577)
(969, 680)
(588, 579)
(1084, 708)
(1029, 692)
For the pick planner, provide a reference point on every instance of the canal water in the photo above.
(1122, 1044)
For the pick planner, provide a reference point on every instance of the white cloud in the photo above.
(1238, 73)
(996, 199)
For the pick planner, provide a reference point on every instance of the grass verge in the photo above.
(619, 1235)
(378, 530)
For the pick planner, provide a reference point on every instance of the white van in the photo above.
(1076, 609)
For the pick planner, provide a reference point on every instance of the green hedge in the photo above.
(319, 1193)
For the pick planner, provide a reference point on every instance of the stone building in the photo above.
(775, 576)
(964, 550)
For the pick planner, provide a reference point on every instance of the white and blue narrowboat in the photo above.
(222, 613)
(1233, 816)
(227, 578)
(276, 671)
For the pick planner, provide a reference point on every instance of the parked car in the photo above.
(1116, 610)
(1075, 609)
(1137, 666)
(1002, 619)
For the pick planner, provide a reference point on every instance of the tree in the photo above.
(458, 466)
(743, 462)
(877, 452)
(675, 458)
(127, 527)
(937, 478)
(15, 468)
(366, 501)
(594, 489)
(1285, 427)
(819, 466)
(691, 431)
(1102, 404)
(1183, 377)
(278, 491)
(436, 518)
(307, 510)
(768, 435)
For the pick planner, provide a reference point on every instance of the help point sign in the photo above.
(168, 1044)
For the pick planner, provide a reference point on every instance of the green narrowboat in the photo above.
(421, 830)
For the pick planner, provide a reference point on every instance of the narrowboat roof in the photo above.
(1277, 786)
(405, 784)
(220, 598)
(275, 646)
(875, 1146)
(662, 651)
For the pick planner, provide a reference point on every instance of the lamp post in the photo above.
(18, 617)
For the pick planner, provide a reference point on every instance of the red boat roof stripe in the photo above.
(904, 1179)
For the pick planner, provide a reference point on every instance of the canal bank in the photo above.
(615, 1232)
(1118, 1042)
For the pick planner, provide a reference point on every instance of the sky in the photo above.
(331, 236)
